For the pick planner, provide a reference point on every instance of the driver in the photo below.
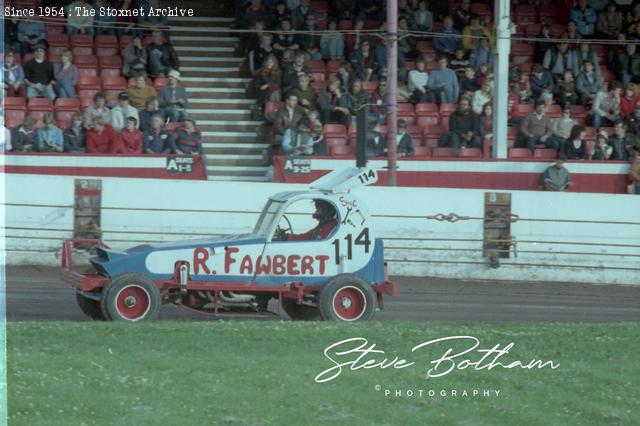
(327, 218)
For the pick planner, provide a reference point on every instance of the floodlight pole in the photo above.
(501, 78)
(392, 89)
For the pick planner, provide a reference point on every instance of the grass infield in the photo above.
(262, 373)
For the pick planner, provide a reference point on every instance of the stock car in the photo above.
(341, 277)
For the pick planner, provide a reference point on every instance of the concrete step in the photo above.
(199, 38)
(227, 114)
(255, 171)
(210, 71)
(206, 61)
(197, 82)
(240, 178)
(235, 160)
(213, 103)
(222, 136)
(205, 50)
(179, 22)
(220, 93)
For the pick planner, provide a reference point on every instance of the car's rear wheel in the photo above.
(131, 297)
(300, 312)
(347, 297)
(91, 308)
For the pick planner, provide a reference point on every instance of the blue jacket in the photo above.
(166, 95)
(447, 43)
(448, 76)
(538, 85)
(158, 142)
(18, 72)
(481, 55)
(49, 139)
(585, 20)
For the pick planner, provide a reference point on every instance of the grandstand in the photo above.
(215, 66)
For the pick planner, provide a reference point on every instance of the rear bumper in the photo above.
(77, 280)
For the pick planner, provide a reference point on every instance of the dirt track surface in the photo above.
(36, 293)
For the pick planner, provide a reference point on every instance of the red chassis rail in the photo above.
(87, 282)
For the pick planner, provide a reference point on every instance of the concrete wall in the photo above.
(39, 214)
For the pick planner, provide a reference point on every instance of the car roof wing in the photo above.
(345, 180)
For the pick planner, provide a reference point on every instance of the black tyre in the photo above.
(347, 297)
(300, 312)
(91, 308)
(131, 297)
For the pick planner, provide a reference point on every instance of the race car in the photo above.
(333, 271)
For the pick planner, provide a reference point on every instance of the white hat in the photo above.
(175, 74)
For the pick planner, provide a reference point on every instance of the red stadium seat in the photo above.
(13, 117)
(38, 116)
(533, 29)
(106, 41)
(525, 14)
(578, 111)
(408, 119)
(443, 153)
(544, 153)
(329, 142)
(318, 76)
(422, 151)
(58, 40)
(522, 49)
(470, 153)
(160, 82)
(405, 109)
(425, 47)
(525, 108)
(519, 153)
(109, 73)
(67, 104)
(548, 14)
(82, 51)
(86, 97)
(316, 66)
(556, 30)
(448, 109)
(332, 66)
(334, 131)
(52, 29)
(40, 104)
(124, 40)
(416, 134)
(110, 62)
(87, 72)
(345, 25)
(340, 150)
(88, 82)
(65, 115)
(480, 9)
(426, 110)
(82, 40)
(318, 86)
(106, 51)
(433, 131)
(431, 142)
(431, 120)
(86, 61)
(15, 103)
(114, 84)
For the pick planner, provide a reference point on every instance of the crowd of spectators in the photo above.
(66, 90)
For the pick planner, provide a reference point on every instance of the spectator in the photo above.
(583, 53)
(13, 76)
(253, 12)
(98, 109)
(481, 98)
(444, 82)
(541, 82)
(447, 39)
(610, 22)
(371, 9)
(606, 105)
(536, 127)
(292, 73)
(257, 56)
(407, 43)
(566, 89)
(473, 33)
(465, 128)
(358, 97)
(575, 147)
(286, 40)
(601, 150)
(485, 74)
(157, 140)
(278, 14)
(307, 96)
(523, 89)
(139, 93)
(173, 98)
(310, 39)
(423, 17)
(353, 40)
(405, 12)
(39, 76)
(287, 117)
(558, 60)
(626, 65)
(49, 137)
(66, 75)
(633, 121)
(75, 137)
(571, 33)
(122, 111)
(150, 109)
(189, 138)
(301, 13)
(300, 140)
(135, 58)
(556, 177)
(634, 172)
(24, 137)
(403, 140)
(543, 42)
(588, 83)
(249, 42)
(622, 142)
(345, 74)
(101, 138)
(487, 121)
(628, 101)
(376, 142)
(80, 16)
(513, 107)
(462, 15)
(561, 130)
(31, 35)
(469, 83)
(149, 22)
(459, 62)
(417, 83)
(268, 81)
(334, 103)
(363, 62)
(162, 56)
(378, 101)
(131, 137)
(332, 42)
(483, 54)
(584, 17)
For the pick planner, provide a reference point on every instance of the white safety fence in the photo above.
(566, 237)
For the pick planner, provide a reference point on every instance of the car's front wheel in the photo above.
(131, 297)
(347, 297)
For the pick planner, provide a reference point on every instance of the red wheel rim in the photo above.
(133, 302)
(349, 303)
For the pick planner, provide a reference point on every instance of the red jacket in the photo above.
(320, 232)
(627, 106)
(131, 141)
(107, 142)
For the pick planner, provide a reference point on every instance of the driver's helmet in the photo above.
(324, 211)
